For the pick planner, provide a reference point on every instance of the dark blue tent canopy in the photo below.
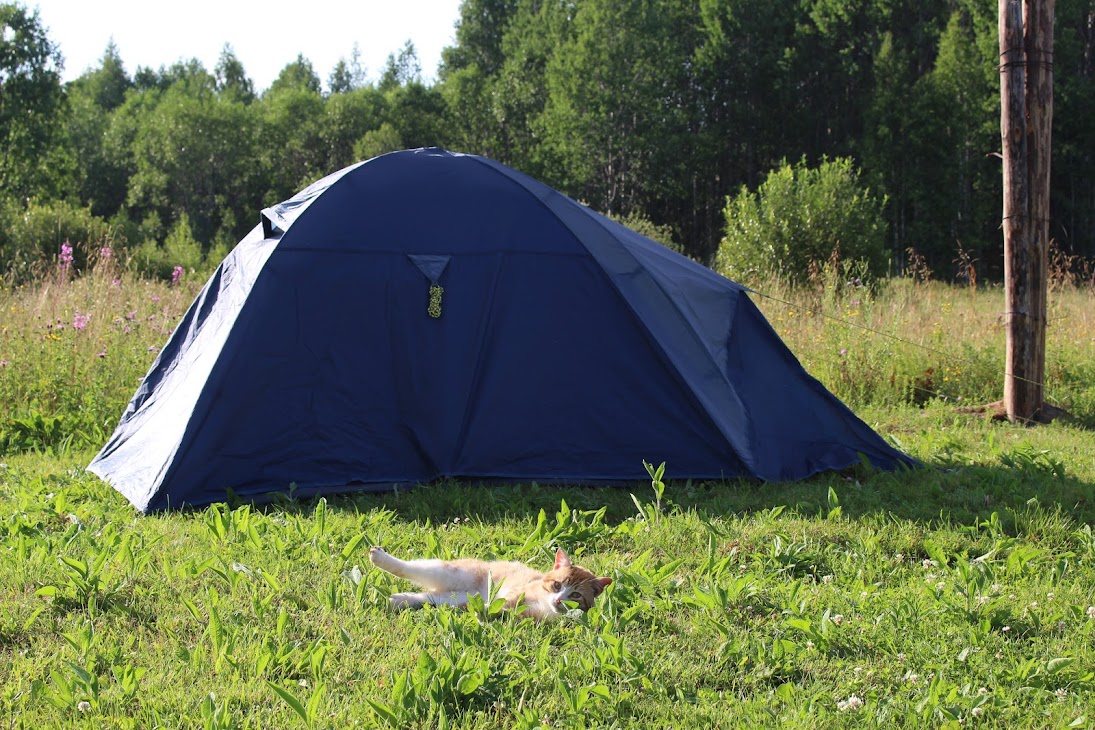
(567, 348)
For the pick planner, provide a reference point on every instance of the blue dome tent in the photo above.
(426, 314)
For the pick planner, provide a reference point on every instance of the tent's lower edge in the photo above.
(267, 493)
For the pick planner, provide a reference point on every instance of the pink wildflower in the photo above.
(105, 253)
(101, 354)
(176, 274)
(79, 321)
(66, 255)
(3, 363)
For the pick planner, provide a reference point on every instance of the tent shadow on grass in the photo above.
(959, 494)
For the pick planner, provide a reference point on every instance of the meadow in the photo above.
(960, 594)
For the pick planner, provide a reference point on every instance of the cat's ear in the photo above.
(599, 585)
(561, 559)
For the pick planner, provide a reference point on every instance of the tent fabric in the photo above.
(428, 314)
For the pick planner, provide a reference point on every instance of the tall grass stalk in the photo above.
(74, 347)
(897, 341)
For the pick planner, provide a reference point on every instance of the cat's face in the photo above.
(566, 582)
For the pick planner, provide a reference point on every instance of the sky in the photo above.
(265, 36)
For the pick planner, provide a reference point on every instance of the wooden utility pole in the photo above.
(1026, 116)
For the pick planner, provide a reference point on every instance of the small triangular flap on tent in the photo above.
(431, 266)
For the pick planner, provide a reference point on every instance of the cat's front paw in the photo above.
(376, 554)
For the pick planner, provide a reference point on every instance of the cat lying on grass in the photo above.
(450, 582)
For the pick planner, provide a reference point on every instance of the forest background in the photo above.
(653, 111)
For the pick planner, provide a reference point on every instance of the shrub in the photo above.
(802, 216)
(180, 249)
(32, 237)
(379, 141)
(639, 223)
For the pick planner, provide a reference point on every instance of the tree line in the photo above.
(655, 111)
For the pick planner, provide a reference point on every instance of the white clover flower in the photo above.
(826, 579)
(1091, 611)
(928, 563)
(1006, 629)
(809, 644)
(83, 706)
(1062, 694)
(853, 703)
(982, 691)
(977, 711)
(837, 619)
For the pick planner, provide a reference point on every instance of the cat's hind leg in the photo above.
(401, 601)
(437, 576)
(459, 599)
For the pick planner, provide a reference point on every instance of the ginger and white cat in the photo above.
(450, 582)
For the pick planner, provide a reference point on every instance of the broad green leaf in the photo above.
(290, 700)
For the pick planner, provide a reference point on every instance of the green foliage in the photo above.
(180, 249)
(298, 75)
(614, 100)
(934, 595)
(402, 69)
(799, 218)
(417, 112)
(347, 76)
(347, 118)
(377, 142)
(289, 137)
(663, 234)
(479, 36)
(106, 85)
(653, 109)
(101, 172)
(232, 81)
(33, 237)
(31, 104)
(35, 433)
(194, 154)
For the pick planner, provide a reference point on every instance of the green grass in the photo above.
(959, 593)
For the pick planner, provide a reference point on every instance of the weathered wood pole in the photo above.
(1026, 115)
